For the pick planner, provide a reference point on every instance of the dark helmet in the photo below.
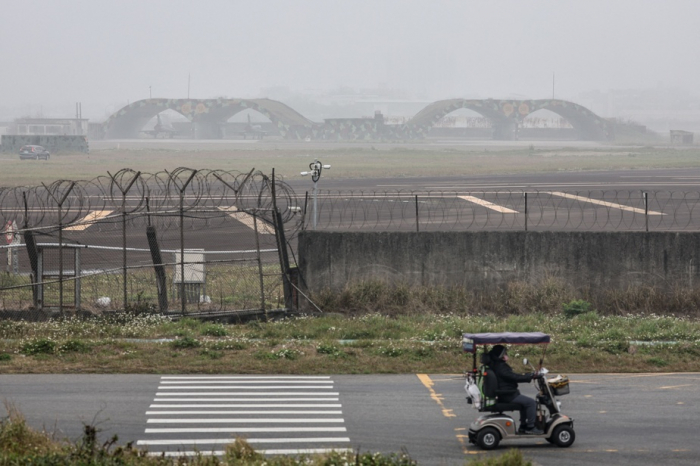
(498, 351)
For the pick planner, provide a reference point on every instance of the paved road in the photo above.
(619, 419)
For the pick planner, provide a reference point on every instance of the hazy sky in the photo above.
(105, 53)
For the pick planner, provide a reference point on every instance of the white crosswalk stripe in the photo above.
(188, 410)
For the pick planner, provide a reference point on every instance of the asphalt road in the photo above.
(619, 418)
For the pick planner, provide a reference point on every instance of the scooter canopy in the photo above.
(471, 340)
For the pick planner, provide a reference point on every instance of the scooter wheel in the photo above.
(488, 438)
(563, 436)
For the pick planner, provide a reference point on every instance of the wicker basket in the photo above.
(559, 385)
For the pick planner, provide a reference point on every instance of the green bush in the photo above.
(656, 361)
(74, 346)
(40, 346)
(5, 357)
(576, 307)
(185, 342)
(214, 331)
(512, 457)
(327, 348)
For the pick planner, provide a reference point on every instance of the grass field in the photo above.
(351, 162)
(369, 343)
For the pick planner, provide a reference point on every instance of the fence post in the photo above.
(417, 223)
(60, 239)
(282, 247)
(303, 216)
(525, 211)
(260, 267)
(646, 211)
(124, 215)
(182, 190)
(30, 244)
(157, 261)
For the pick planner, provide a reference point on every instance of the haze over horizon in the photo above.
(106, 53)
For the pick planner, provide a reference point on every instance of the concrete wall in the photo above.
(488, 260)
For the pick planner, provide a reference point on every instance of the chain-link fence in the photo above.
(118, 242)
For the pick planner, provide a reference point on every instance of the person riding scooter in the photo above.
(508, 389)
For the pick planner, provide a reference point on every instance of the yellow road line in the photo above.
(604, 203)
(488, 205)
(88, 220)
(437, 397)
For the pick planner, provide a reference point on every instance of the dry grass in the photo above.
(368, 343)
(349, 162)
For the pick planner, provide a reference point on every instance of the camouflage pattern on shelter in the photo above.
(209, 117)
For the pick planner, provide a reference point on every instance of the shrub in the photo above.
(656, 361)
(576, 307)
(214, 331)
(512, 457)
(185, 342)
(74, 346)
(40, 346)
(327, 348)
(5, 357)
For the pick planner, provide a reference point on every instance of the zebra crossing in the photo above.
(277, 415)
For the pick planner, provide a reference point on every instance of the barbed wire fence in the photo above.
(217, 241)
(532, 210)
(218, 235)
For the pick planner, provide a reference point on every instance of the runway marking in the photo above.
(241, 399)
(246, 420)
(291, 451)
(172, 413)
(247, 387)
(248, 220)
(669, 387)
(219, 441)
(245, 393)
(604, 203)
(182, 382)
(89, 220)
(488, 205)
(251, 405)
(246, 430)
(228, 377)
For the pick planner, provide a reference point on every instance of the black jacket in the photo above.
(508, 380)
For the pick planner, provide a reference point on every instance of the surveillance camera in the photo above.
(326, 166)
(304, 173)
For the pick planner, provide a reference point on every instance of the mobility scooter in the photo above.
(482, 388)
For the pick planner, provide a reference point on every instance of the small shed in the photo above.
(681, 137)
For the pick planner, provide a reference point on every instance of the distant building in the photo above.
(681, 137)
(49, 126)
